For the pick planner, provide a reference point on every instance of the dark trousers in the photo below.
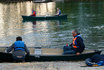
(68, 50)
(19, 56)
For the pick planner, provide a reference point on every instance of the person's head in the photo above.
(75, 33)
(18, 38)
(57, 8)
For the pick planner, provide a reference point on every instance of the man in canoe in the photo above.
(58, 12)
(33, 13)
(77, 45)
(19, 48)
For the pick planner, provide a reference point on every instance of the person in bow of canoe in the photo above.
(77, 46)
(58, 12)
(19, 50)
(33, 13)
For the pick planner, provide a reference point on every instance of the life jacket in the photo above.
(59, 12)
(75, 45)
(19, 45)
(89, 62)
(33, 13)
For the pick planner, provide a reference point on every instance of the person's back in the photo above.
(19, 49)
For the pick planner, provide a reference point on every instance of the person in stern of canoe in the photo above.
(33, 13)
(77, 45)
(19, 48)
(58, 12)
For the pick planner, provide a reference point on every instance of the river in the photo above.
(86, 17)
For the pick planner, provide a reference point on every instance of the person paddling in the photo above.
(77, 46)
(33, 13)
(19, 49)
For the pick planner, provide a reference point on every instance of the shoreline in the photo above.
(62, 65)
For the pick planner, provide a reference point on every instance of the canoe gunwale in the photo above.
(33, 57)
(68, 54)
(48, 58)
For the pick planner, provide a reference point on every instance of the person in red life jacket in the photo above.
(19, 50)
(33, 13)
(77, 45)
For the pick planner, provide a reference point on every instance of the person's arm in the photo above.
(81, 45)
(9, 49)
(57, 13)
(26, 49)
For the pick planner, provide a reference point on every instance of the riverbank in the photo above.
(48, 66)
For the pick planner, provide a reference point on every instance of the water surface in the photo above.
(87, 17)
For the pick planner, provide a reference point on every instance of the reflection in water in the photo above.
(84, 16)
(1, 21)
(28, 8)
(44, 8)
(37, 35)
(10, 19)
(87, 17)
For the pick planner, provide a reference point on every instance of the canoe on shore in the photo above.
(41, 18)
(48, 54)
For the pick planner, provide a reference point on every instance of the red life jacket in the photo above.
(75, 45)
(34, 13)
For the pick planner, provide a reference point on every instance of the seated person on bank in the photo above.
(77, 45)
(33, 13)
(19, 48)
(95, 60)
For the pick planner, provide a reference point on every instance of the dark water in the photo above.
(87, 17)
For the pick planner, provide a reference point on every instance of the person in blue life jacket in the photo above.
(58, 12)
(95, 60)
(77, 46)
(19, 50)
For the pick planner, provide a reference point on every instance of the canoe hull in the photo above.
(41, 18)
(7, 57)
(40, 1)
(60, 57)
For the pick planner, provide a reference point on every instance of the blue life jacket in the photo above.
(100, 63)
(59, 12)
(19, 45)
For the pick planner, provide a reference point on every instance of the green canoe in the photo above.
(48, 54)
(41, 18)
(40, 1)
